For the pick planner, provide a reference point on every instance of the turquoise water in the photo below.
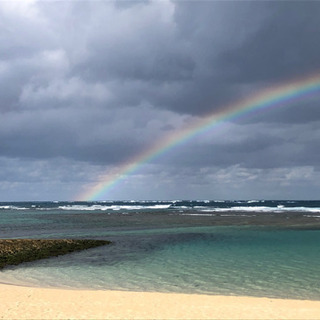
(216, 260)
(266, 254)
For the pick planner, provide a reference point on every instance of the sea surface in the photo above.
(256, 248)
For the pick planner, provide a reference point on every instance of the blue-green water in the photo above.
(273, 253)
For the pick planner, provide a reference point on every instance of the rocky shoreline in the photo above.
(16, 251)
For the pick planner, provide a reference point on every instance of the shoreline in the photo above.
(52, 303)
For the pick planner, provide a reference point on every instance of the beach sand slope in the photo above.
(46, 303)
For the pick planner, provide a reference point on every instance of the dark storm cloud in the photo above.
(154, 57)
(247, 43)
(287, 44)
(203, 57)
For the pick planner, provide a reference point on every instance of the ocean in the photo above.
(255, 248)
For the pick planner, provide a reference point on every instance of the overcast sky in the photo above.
(87, 85)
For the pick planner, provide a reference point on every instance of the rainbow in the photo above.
(274, 96)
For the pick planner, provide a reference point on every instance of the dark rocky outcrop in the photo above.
(15, 251)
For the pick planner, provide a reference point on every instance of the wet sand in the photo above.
(46, 303)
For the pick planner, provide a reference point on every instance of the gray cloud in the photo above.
(253, 146)
(86, 84)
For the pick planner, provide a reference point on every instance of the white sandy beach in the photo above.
(39, 303)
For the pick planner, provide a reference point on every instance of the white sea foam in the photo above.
(263, 209)
(114, 207)
(12, 208)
